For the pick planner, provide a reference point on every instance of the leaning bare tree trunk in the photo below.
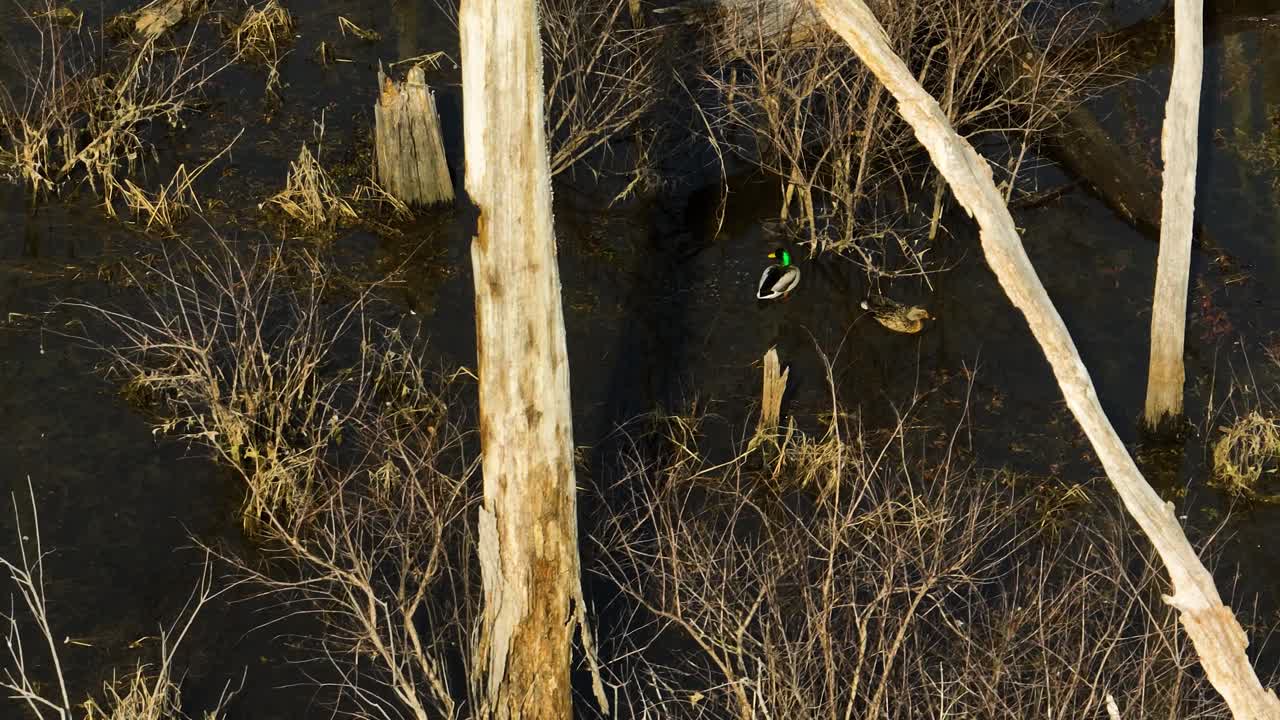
(1165, 375)
(1218, 638)
(528, 520)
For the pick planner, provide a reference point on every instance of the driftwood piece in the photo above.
(1218, 638)
(528, 531)
(408, 144)
(1179, 150)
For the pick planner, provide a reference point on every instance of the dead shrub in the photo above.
(236, 351)
(790, 96)
(86, 113)
(383, 557)
(602, 76)
(909, 588)
(359, 480)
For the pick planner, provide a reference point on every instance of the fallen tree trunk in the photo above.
(528, 530)
(1179, 149)
(1218, 639)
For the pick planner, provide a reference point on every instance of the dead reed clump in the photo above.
(909, 588)
(310, 196)
(148, 692)
(174, 201)
(85, 113)
(789, 96)
(1247, 449)
(264, 29)
(261, 34)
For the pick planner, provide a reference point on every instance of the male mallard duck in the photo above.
(779, 279)
(896, 316)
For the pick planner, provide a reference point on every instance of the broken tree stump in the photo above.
(408, 145)
(773, 387)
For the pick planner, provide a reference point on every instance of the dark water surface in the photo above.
(659, 310)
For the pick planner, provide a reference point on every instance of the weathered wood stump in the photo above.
(773, 387)
(409, 147)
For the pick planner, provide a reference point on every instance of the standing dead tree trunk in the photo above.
(528, 530)
(1165, 374)
(1218, 638)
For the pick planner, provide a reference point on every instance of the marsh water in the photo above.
(660, 312)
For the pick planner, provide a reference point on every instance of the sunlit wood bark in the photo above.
(1178, 148)
(527, 523)
(1219, 640)
(408, 143)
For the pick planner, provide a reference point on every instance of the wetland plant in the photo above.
(87, 112)
(260, 35)
(859, 578)
(360, 485)
(841, 578)
(311, 197)
(1246, 449)
(147, 692)
(237, 351)
(788, 95)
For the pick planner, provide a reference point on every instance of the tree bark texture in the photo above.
(1179, 151)
(1218, 639)
(408, 143)
(527, 523)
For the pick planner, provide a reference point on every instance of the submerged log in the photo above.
(408, 144)
(1179, 148)
(1218, 639)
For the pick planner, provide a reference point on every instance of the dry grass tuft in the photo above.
(174, 201)
(1247, 449)
(153, 19)
(310, 196)
(345, 26)
(374, 195)
(263, 30)
(260, 35)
